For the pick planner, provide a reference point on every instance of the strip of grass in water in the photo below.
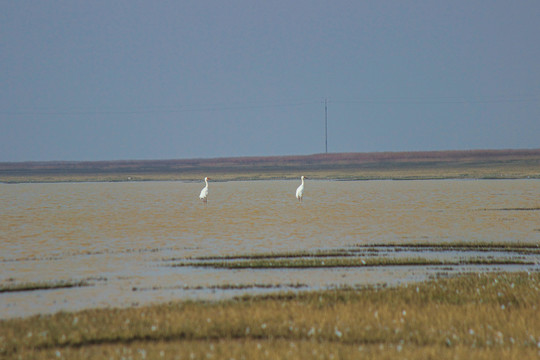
(476, 245)
(300, 263)
(275, 255)
(514, 209)
(521, 248)
(480, 316)
(46, 285)
(223, 287)
(505, 247)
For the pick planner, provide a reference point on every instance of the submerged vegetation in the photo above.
(481, 316)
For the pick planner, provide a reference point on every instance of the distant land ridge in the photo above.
(371, 165)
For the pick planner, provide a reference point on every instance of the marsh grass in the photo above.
(276, 255)
(473, 245)
(300, 263)
(480, 246)
(362, 255)
(481, 316)
(515, 209)
(223, 287)
(356, 249)
(45, 285)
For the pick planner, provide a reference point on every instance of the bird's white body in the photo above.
(300, 190)
(204, 192)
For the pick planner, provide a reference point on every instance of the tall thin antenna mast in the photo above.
(325, 127)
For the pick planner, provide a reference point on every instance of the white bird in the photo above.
(204, 191)
(300, 190)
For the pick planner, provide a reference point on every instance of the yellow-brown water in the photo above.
(117, 235)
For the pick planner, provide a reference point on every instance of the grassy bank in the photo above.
(487, 316)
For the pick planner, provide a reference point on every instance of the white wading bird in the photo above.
(204, 191)
(300, 190)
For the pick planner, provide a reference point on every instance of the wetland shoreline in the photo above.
(486, 316)
(472, 164)
(458, 275)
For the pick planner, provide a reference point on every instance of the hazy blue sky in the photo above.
(105, 80)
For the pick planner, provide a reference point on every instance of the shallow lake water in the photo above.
(119, 236)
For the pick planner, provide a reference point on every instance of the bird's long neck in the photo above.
(302, 181)
(206, 182)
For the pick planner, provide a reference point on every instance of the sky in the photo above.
(126, 80)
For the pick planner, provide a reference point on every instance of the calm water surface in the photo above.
(118, 235)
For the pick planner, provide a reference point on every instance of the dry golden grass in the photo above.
(493, 316)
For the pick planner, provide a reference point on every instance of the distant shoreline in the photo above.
(420, 165)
